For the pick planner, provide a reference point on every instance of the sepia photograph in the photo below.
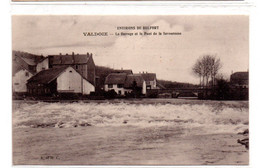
(130, 90)
(220, 1)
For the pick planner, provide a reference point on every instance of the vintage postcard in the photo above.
(116, 0)
(130, 90)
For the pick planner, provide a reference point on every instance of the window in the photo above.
(77, 67)
(119, 92)
(16, 83)
(70, 71)
(110, 86)
(119, 85)
(148, 87)
(26, 73)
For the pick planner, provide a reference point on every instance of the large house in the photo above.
(23, 68)
(83, 63)
(63, 79)
(239, 79)
(123, 83)
(31, 72)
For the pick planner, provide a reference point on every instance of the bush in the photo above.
(111, 94)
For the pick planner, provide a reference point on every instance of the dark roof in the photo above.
(30, 59)
(127, 71)
(116, 78)
(160, 85)
(44, 58)
(70, 59)
(134, 77)
(24, 61)
(19, 64)
(47, 76)
(148, 76)
(240, 75)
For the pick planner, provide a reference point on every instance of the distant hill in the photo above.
(102, 72)
(174, 85)
(33, 57)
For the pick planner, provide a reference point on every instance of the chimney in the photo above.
(87, 54)
(73, 58)
(60, 54)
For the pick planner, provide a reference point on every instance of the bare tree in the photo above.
(207, 68)
(198, 70)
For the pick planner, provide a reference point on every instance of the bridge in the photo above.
(183, 92)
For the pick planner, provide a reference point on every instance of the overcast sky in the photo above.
(171, 57)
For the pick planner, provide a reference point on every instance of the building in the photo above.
(135, 82)
(82, 63)
(43, 64)
(123, 83)
(19, 80)
(116, 81)
(150, 80)
(240, 79)
(239, 86)
(127, 71)
(62, 79)
(23, 68)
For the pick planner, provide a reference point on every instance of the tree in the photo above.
(198, 70)
(222, 90)
(207, 67)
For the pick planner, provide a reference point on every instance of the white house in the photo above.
(116, 81)
(150, 80)
(123, 83)
(59, 80)
(23, 68)
(19, 80)
(71, 81)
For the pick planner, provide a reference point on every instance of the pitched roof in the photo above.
(47, 76)
(160, 85)
(240, 75)
(19, 64)
(44, 58)
(30, 59)
(116, 78)
(70, 59)
(130, 79)
(148, 76)
(127, 71)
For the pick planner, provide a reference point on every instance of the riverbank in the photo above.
(125, 146)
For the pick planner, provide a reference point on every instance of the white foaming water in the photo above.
(212, 118)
